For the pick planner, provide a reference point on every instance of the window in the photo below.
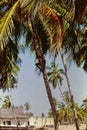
(18, 122)
(4, 122)
(28, 123)
(8, 122)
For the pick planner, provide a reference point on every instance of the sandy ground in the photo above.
(70, 127)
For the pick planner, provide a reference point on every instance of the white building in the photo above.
(39, 122)
(12, 117)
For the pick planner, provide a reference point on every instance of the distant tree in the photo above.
(21, 106)
(42, 115)
(84, 107)
(55, 102)
(50, 114)
(31, 114)
(0, 101)
(27, 106)
(6, 103)
(61, 112)
(55, 76)
(45, 23)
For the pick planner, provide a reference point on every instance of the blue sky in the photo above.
(31, 86)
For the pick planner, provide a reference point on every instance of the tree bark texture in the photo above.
(41, 61)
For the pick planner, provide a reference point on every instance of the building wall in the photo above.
(41, 122)
(35, 122)
(12, 122)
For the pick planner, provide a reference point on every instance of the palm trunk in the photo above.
(41, 61)
(12, 107)
(70, 91)
(60, 91)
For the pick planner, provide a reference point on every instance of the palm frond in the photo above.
(6, 25)
(43, 33)
(9, 66)
(52, 27)
(27, 5)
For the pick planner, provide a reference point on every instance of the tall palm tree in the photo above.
(41, 61)
(69, 89)
(35, 14)
(54, 77)
(75, 35)
(75, 40)
(49, 21)
(38, 19)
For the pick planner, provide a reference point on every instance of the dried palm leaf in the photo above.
(52, 24)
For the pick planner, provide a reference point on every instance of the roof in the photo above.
(12, 112)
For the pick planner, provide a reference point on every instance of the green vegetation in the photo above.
(47, 27)
(64, 111)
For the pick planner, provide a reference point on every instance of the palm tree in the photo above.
(6, 103)
(43, 117)
(50, 113)
(84, 107)
(9, 67)
(12, 16)
(21, 106)
(8, 48)
(75, 41)
(69, 89)
(68, 105)
(76, 37)
(27, 106)
(38, 19)
(80, 113)
(67, 98)
(61, 111)
(41, 63)
(55, 76)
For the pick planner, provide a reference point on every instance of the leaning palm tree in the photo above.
(46, 20)
(76, 49)
(38, 19)
(41, 66)
(69, 89)
(30, 15)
